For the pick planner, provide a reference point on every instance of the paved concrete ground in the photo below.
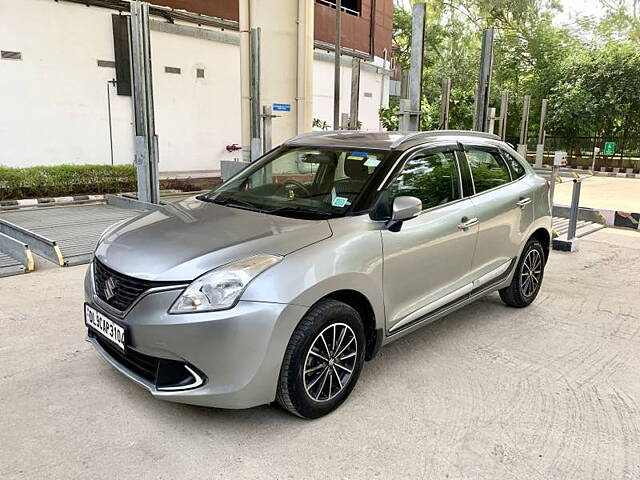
(609, 193)
(549, 392)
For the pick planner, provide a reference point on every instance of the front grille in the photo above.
(143, 365)
(125, 290)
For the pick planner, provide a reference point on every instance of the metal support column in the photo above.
(484, 81)
(492, 120)
(404, 115)
(344, 121)
(267, 121)
(541, 134)
(336, 67)
(146, 141)
(415, 73)
(256, 141)
(444, 103)
(504, 115)
(355, 94)
(524, 127)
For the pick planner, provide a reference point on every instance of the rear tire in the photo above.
(323, 360)
(527, 279)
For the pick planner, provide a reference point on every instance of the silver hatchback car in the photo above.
(280, 283)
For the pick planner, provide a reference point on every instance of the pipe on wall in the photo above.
(245, 82)
(304, 87)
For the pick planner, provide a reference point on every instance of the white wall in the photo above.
(53, 102)
(195, 117)
(370, 84)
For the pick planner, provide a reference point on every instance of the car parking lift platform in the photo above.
(64, 235)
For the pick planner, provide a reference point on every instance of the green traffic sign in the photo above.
(609, 148)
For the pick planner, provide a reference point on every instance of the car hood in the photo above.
(181, 241)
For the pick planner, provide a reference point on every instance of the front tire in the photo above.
(527, 279)
(323, 360)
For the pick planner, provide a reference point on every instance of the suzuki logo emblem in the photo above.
(110, 288)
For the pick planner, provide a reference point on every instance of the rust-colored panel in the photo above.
(384, 27)
(356, 29)
(226, 9)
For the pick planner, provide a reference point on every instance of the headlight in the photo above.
(221, 288)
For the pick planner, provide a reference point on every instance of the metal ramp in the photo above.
(10, 266)
(583, 227)
(64, 235)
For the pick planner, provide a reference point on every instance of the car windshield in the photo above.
(309, 183)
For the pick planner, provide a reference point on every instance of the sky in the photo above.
(573, 8)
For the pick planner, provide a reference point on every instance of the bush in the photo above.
(65, 180)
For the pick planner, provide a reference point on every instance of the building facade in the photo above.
(59, 103)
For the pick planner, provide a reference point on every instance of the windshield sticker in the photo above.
(372, 162)
(339, 202)
(357, 156)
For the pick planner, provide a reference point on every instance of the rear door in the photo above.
(427, 263)
(504, 204)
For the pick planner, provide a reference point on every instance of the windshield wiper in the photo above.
(230, 202)
(298, 209)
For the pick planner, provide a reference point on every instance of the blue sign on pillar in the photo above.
(281, 107)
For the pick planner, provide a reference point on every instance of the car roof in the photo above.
(381, 140)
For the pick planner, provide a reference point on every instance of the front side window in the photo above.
(487, 169)
(431, 177)
(302, 182)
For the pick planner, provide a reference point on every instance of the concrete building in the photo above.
(58, 58)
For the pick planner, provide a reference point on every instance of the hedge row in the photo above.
(65, 180)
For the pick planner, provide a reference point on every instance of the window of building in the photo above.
(352, 7)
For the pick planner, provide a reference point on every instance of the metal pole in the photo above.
(344, 121)
(484, 81)
(541, 135)
(596, 151)
(492, 120)
(146, 141)
(415, 72)
(113, 82)
(524, 127)
(504, 115)
(267, 119)
(355, 94)
(336, 67)
(444, 103)
(575, 201)
(403, 121)
(256, 142)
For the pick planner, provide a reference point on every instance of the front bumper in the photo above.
(238, 351)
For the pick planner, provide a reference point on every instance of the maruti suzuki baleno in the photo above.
(281, 282)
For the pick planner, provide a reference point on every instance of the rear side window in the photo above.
(431, 177)
(488, 169)
(517, 169)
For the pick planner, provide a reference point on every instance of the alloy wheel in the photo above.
(330, 362)
(531, 273)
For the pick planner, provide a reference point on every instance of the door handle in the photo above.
(467, 223)
(523, 202)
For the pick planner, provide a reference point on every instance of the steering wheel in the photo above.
(298, 185)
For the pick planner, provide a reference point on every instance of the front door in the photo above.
(427, 263)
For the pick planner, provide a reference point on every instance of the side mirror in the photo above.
(404, 208)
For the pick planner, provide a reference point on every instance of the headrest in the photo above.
(356, 169)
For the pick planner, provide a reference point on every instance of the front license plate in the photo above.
(105, 327)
